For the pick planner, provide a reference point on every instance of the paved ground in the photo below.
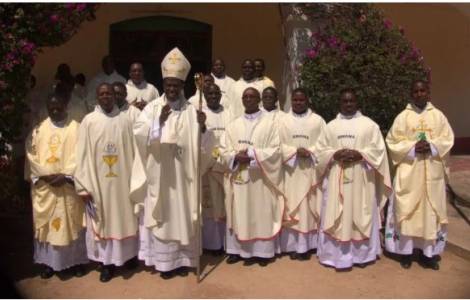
(460, 177)
(282, 279)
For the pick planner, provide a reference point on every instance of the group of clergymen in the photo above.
(120, 184)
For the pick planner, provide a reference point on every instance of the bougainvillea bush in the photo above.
(356, 47)
(25, 28)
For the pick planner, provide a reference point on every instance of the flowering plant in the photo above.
(356, 47)
(24, 30)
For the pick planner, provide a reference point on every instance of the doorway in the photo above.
(149, 39)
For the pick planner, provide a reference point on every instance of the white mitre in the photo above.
(175, 65)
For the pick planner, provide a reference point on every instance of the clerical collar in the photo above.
(141, 85)
(419, 110)
(253, 116)
(306, 113)
(218, 110)
(276, 109)
(357, 114)
(59, 124)
(113, 112)
(221, 77)
(176, 105)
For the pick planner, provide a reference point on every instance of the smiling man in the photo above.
(139, 91)
(419, 142)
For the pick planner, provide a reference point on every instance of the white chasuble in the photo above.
(131, 111)
(254, 200)
(164, 172)
(105, 153)
(57, 211)
(301, 178)
(213, 179)
(224, 83)
(420, 180)
(353, 189)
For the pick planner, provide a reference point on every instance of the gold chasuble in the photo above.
(420, 181)
(165, 172)
(57, 211)
(300, 175)
(105, 153)
(254, 201)
(353, 188)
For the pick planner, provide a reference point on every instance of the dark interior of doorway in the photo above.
(149, 39)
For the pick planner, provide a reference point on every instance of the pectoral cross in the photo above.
(422, 129)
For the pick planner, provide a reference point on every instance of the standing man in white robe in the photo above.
(139, 91)
(107, 75)
(353, 156)
(105, 152)
(254, 201)
(164, 174)
(59, 235)
(213, 206)
(120, 94)
(220, 77)
(270, 102)
(299, 131)
(260, 67)
(248, 79)
(419, 143)
(208, 80)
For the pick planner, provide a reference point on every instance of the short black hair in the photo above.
(272, 89)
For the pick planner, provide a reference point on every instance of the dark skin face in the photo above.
(348, 104)
(348, 107)
(269, 100)
(108, 65)
(248, 70)
(420, 94)
(56, 109)
(136, 73)
(218, 68)
(299, 103)
(208, 80)
(120, 94)
(251, 100)
(259, 68)
(172, 88)
(213, 96)
(105, 96)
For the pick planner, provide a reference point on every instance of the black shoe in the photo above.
(303, 256)
(132, 263)
(106, 273)
(182, 271)
(167, 275)
(361, 265)
(405, 261)
(46, 272)
(430, 262)
(263, 262)
(293, 255)
(233, 259)
(78, 271)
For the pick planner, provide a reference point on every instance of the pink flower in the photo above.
(333, 42)
(54, 18)
(362, 18)
(388, 24)
(311, 53)
(27, 47)
(80, 7)
(402, 30)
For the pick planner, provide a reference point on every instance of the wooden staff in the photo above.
(198, 80)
